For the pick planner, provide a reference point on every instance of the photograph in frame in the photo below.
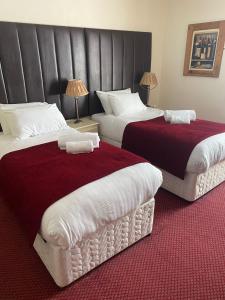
(204, 49)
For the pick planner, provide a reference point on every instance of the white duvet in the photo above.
(83, 211)
(204, 155)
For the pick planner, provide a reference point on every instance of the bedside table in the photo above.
(86, 125)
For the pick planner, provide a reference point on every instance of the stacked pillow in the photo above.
(105, 101)
(120, 102)
(9, 107)
(30, 119)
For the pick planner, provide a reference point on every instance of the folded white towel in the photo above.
(182, 114)
(185, 119)
(77, 137)
(79, 147)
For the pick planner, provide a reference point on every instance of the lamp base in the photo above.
(77, 121)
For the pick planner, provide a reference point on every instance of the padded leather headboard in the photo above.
(116, 60)
(36, 61)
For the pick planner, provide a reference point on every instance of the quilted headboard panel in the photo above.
(36, 61)
(116, 60)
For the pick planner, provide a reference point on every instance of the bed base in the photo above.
(66, 266)
(194, 185)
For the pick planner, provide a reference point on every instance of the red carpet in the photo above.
(184, 258)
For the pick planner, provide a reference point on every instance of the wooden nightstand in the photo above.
(86, 125)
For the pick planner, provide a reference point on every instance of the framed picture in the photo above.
(204, 49)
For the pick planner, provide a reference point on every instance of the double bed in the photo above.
(205, 167)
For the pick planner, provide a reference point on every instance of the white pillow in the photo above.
(103, 96)
(7, 107)
(26, 123)
(126, 104)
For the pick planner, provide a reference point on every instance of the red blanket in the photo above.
(168, 146)
(34, 178)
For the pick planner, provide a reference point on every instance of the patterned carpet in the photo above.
(184, 258)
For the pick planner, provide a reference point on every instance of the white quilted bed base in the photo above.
(194, 185)
(66, 266)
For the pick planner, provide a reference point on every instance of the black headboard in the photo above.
(36, 61)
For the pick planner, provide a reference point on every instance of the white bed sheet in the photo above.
(8, 143)
(204, 155)
(80, 213)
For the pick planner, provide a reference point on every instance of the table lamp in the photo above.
(149, 81)
(76, 88)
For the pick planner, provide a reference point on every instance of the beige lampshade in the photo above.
(76, 88)
(149, 79)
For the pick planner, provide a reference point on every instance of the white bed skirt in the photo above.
(194, 185)
(66, 266)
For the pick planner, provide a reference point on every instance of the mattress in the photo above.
(206, 154)
(93, 206)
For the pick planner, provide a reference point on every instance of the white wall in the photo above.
(206, 95)
(141, 15)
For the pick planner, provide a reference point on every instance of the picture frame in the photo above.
(204, 49)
